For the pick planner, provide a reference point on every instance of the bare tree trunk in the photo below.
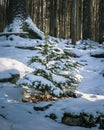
(101, 21)
(78, 18)
(73, 22)
(87, 19)
(53, 17)
(18, 20)
(17, 10)
(3, 6)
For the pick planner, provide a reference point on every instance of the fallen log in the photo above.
(14, 33)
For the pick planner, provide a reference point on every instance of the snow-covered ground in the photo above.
(16, 115)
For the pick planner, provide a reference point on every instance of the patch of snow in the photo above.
(21, 115)
(7, 64)
(15, 26)
(37, 65)
(34, 28)
(97, 51)
(5, 124)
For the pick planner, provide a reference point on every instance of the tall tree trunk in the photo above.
(97, 22)
(78, 20)
(42, 14)
(87, 19)
(53, 18)
(18, 20)
(101, 21)
(17, 10)
(95, 19)
(3, 6)
(73, 22)
(65, 16)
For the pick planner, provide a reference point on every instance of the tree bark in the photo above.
(87, 19)
(101, 21)
(53, 17)
(17, 10)
(19, 21)
(73, 22)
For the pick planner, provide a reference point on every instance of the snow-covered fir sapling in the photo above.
(55, 73)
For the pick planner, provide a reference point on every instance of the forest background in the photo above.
(76, 19)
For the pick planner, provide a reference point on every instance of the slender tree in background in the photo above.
(76, 21)
(79, 19)
(101, 21)
(73, 22)
(3, 6)
(53, 17)
(87, 19)
(95, 20)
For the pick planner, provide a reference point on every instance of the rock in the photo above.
(14, 78)
(53, 116)
(26, 47)
(73, 53)
(42, 108)
(83, 119)
(9, 76)
(98, 55)
(71, 120)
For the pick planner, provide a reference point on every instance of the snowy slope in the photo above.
(16, 115)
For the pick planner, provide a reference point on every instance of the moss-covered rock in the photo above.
(83, 119)
(10, 76)
(43, 108)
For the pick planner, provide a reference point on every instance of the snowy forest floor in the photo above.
(17, 115)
